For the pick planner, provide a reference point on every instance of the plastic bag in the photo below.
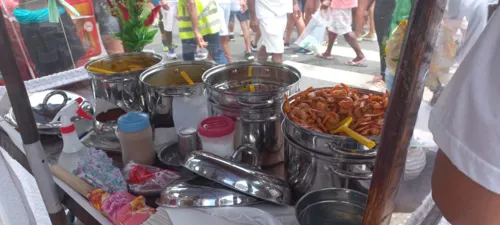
(314, 33)
(394, 45)
(147, 180)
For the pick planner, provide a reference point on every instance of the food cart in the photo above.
(390, 161)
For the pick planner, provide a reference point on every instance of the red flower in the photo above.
(152, 16)
(111, 8)
(109, 4)
(124, 10)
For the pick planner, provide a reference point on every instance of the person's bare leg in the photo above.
(310, 8)
(331, 39)
(372, 19)
(112, 45)
(351, 40)
(245, 27)
(277, 58)
(262, 56)
(290, 23)
(169, 39)
(231, 25)
(359, 16)
(256, 36)
(224, 42)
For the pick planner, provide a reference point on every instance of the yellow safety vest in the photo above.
(208, 20)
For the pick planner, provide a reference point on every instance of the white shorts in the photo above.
(341, 21)
(224, 11)
(272, 29)
(170, 17)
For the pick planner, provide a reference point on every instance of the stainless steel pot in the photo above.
(121, 90)
(228, 85)
(331, 206)
(164, 82)
(306, 170)
(259, 128)
(328, 144)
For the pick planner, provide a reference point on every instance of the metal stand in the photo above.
(29, 132)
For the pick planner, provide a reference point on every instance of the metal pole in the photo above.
(29, 132)
(403, 108)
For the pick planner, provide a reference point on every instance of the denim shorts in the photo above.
(241, 16)
(214, 49)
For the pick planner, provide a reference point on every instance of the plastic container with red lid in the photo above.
(216, 134)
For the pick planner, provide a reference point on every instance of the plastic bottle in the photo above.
(216, 134)
(136, 138)
(73, 148)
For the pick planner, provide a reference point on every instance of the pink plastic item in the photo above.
(216, 126)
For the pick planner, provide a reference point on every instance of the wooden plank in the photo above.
(403, 107)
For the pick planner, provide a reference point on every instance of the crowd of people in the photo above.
(208, 26)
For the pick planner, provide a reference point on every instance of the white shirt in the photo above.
(271, 8)
(465, 122)
(235, 5)
(223, 1)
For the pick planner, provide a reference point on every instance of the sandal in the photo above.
(359, 63)
(322, 56)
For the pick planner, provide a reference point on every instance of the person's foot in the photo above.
(231, 37)
(361, 37)
(200, 55)
(248, 56)
(254, 47)
(171, 55)
(165, 48)
(370, 37)
(304, 51)
(377, 78)
(287, 45)
(358, 61)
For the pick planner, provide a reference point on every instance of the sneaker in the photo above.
(287, 45)
(370, 37)
(231, 37)
(304, 51)
(201, 55)
(248, 56)
(254, 47)
(171, 55)
(165, 48)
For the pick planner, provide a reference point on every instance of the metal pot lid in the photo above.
(247, 179)
(45, 106)
(200, 192)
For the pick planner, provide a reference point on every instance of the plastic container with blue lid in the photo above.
(136, 138)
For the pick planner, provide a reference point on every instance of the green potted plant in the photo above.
(135, 18)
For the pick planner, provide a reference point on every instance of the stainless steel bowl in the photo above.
(307, 171)
(228, 84)
(200, 192)
(121, 90)
(331, 206)
(163, 82)
(329, 144)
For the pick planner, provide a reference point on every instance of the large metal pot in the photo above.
(259, 127)
(340, 146)
(306, 170)
(331, 206)
(228, 85)
(164, 82)
(121, 90)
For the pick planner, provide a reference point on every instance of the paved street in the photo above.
(342, 53)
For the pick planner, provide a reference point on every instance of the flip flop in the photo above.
(359, 63)
(322, 56)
